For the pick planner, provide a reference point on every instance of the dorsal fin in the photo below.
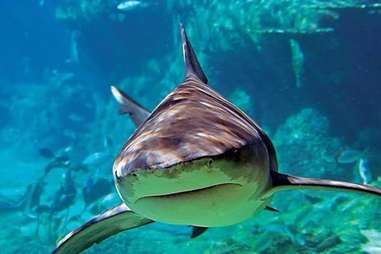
(192, 66)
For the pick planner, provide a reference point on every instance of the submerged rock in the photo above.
(303, 140)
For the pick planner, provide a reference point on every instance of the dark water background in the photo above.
(318, 102)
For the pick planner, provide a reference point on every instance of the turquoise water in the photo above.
(308, 72)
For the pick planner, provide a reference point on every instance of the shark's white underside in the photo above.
(205, 192)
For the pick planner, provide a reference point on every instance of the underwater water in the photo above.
(307, 71)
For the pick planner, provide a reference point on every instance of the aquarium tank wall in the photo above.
(308, 72)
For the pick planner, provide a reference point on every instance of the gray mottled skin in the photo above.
(192, 122)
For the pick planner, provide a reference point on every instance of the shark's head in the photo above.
(195, 160)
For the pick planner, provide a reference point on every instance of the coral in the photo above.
(82, 10)
(304, 146)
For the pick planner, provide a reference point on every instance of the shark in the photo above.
(195, 160)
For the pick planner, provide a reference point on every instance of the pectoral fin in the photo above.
(285, 182)
(102, 226)
(271, 209)
(197, 231)
(128, 106)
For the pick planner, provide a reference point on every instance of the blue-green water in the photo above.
(308, 72)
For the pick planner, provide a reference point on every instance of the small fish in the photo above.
(74, 55)
(65, 196)
(75, 118)
(37, 211)
(11, 205)
(7, 205)
(95, 159)
(68, 149)
(131, 5)
(86, 190)
(372, 244)
(98, 158)
(107, 143)
(62, 158)
(109, 197)
(75, 218)
(58, 162)
(349, 156)
(364, 172)
(97, 208)
(94, 190)
(42, 209)
(312, 199)
(46, 153)
(328, 243)
(35, 193)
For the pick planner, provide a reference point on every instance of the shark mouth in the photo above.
(190, 193)
(214, 204)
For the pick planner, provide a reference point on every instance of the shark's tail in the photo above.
(285, 182)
